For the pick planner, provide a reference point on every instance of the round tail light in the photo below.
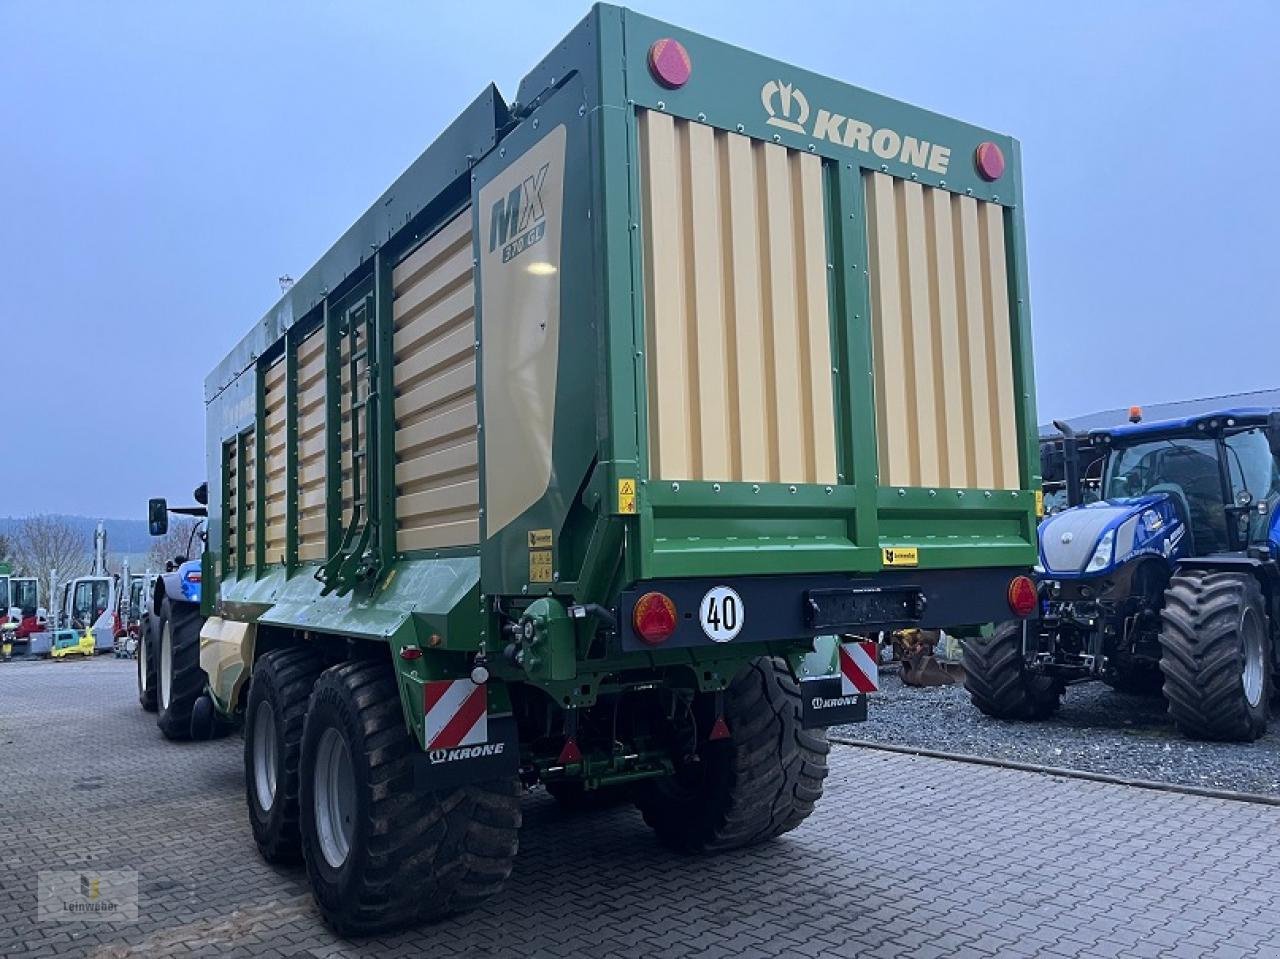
(654, 618)
(989, 160)
(669, 63)
(1023, 598)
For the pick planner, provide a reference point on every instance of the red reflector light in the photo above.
(1023, 598)
(654, 618)
(989, 159)
(410, 652)
(669, 63)
(193, 576)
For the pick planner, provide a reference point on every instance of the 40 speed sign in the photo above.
(721, 614)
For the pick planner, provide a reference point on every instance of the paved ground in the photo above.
(906, 857)
(1097, 729)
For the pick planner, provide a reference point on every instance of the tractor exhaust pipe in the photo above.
(1070, 462)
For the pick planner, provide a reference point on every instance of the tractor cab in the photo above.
(1202, 486)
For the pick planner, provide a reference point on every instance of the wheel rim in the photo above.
(335, 802)
(143, 683)
(264, 756)
(166, 665)
(1255, 657)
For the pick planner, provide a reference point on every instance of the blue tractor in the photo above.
(1169, 583)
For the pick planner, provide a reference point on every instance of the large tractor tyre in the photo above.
(760, 782)
(1214, 642)
(148, 643)
(277, 710)
(179, 678)
(381, 854)
(998, 681)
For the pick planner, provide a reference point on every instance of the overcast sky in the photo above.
(161, 164)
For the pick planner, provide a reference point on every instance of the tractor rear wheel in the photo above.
(1215, 644)
(179, 678)
(146, 656)
(381, 853)
(760, 782)
(998, 681)
(277, 709)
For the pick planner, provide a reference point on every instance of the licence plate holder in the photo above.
(865, 606)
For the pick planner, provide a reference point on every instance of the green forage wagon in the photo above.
(583, 455)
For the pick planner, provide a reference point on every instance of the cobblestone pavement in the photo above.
(905, 857)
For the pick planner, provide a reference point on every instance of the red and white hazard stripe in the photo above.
(456, 713)
(859, 672)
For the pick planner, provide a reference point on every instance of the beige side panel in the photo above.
(736, 310)
(274, 433)
(311, 440)
(942, 339)
(437, 474)
(520, 284)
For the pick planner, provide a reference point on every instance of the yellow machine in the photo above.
(6, 640)
(70, 642)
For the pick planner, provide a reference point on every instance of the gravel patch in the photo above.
(1096, 730)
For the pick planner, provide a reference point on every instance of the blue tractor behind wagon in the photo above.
(1170, 583)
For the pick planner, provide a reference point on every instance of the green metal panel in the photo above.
(260, 468)
(381, 374)
(241, 512)
(292, 339)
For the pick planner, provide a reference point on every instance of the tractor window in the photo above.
(89, 601)
(1252, 468)
(1251, 465)
(1186, 469)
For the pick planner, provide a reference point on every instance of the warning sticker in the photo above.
(627, 496)
(539, 565)
(1039, 502)
(900, 556)
(539, 539)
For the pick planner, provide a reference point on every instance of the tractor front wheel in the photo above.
(179, 678)
(381, 853)
(147, 644)
(998, 680)
(1214, 642)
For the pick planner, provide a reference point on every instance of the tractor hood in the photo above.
(1093, 540)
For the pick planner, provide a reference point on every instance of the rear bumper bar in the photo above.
(799, 606)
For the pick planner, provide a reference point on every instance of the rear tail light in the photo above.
(654, 618)
(1023, 598)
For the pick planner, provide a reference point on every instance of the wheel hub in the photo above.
(166, 665)
(1253, 674)
(335, 798)
(264, 756)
